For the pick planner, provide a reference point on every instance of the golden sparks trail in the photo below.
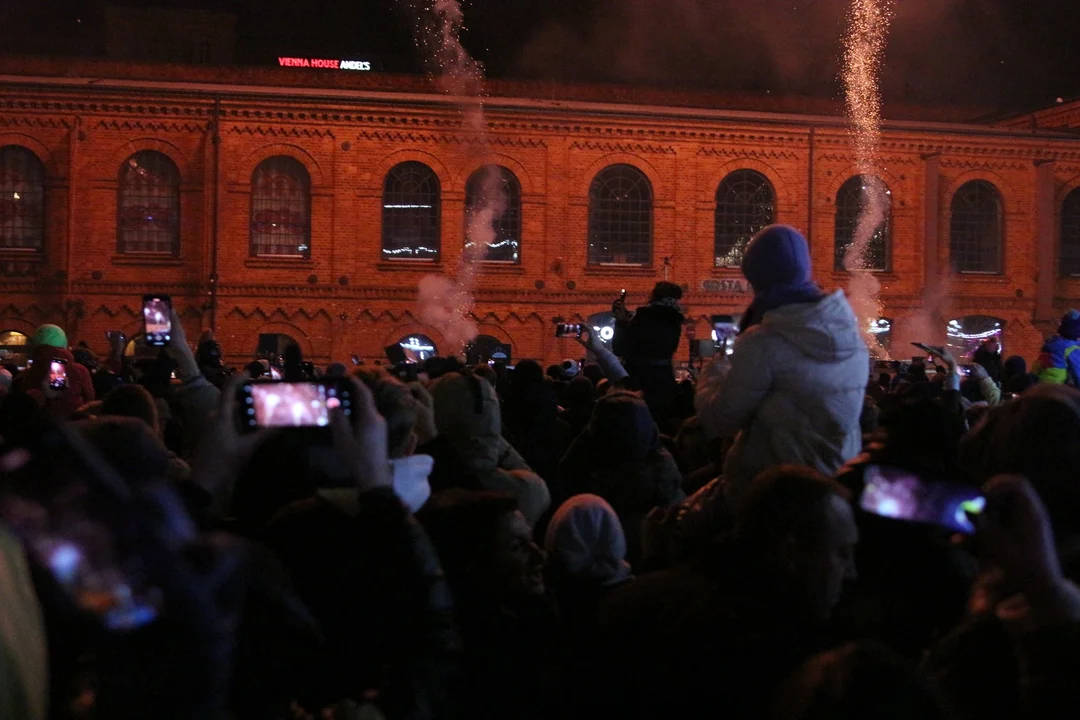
(864, 47)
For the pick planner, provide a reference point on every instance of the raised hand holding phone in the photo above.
(362, 442)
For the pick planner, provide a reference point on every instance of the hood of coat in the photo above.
(826, 331)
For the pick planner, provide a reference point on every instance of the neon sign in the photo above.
(324, 63)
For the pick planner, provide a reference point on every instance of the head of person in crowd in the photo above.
(777, 265)
(586, 545)
(5, 381)
(336, 370)
(208, 353)
(798, 527)
(623, 428)
(86, 358)
(1037, 436)
(486, 548)
(858, 680)
(50, 335)
(129, 446)
(989, 356)
(133, 401)
(555, 372)
(487, 372)
(666, 293)
(570, 369)
(593, 372)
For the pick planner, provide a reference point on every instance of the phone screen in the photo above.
(293, 404)
(58, 374)
(902, 495)
(156, 319)
(563, 330)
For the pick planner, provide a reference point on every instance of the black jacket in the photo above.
(370, 576)
(652, 334)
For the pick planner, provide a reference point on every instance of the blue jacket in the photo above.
(1058, 363)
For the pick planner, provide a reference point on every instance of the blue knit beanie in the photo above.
(1070, 325)
(777, 258)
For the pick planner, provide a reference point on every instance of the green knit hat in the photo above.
(50, 335)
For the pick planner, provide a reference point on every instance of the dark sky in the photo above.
(1010, 53)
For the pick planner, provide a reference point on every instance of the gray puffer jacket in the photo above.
(792, 393)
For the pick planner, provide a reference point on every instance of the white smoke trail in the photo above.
(863, 50)
(446, 303)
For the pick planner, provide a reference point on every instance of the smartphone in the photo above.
(264, 404)
(156, 319)
(903, 495)
(58, 374)
(963, 371)
(724, 330)
(81, 522)
(568, 330)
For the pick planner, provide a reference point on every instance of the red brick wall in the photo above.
(346, 299)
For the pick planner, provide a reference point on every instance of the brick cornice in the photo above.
(407, 136)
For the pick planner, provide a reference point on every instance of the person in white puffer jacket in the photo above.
(792, 391)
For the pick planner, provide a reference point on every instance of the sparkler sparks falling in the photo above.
(864, 49)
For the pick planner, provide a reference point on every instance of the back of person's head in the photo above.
(336, 370)
(1038, 436)
(480, 538)
(570, 369)
(623, 427)
(132, 401)
(487, 372)
(1014, 366)
(921, 434)
(527, 372)
(466, 407)
(1070, 325)
(777, 257)
(397, 405)
(593, 372)
(798, 523)
(85, 357)
(586, 544)
(129, 446)
(555, 372)
(855, 682)
(51, 335)
(255, 369)
(579, 393)
(665, 289)
(6, 380)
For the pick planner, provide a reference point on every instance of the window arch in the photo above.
(410, 217)
(745, 203)
(975, 232)
(965, 334)
(498, 188)
(851, 198)
(14, 347)
(148, 205)
(620, 217)
(22, 199)
(281, 208)
(1070, 234)
(485, 348)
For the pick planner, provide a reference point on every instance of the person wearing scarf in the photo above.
(792, 392)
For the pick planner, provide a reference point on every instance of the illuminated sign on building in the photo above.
(324, 63)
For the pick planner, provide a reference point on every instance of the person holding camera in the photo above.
(647, 341)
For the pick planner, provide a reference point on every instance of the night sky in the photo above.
(991, 53)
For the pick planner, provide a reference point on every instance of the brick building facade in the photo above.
(985, 215)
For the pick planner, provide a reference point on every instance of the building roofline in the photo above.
(420, 91)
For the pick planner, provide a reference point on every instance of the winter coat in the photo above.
(467, 413)
(647, 344)
(24, 681)
(1058, 363)
(370, 576)
(793, 391)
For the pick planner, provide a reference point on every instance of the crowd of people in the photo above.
(586, 540)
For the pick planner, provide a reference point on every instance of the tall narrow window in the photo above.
(411, 213)
(493, 213)
(1070, 234)
(853, 196)
(620, 217)
(22, 200)
(148, 206)
(281, 208)
(745, 203)
(975, 236)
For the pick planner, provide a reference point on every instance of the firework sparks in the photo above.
(864, 49)
(446, 303)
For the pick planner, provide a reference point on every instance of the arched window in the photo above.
(418, 348)
(1070, 234)
(853, 196)
(745, 203)
(148, 205)
(273, 345)
(975, 237)
(22, 199)
(965, 334)
(410, 217)
(497, 190)
(14, 348)
(484, 348)
(620, 217)
(281, 208)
